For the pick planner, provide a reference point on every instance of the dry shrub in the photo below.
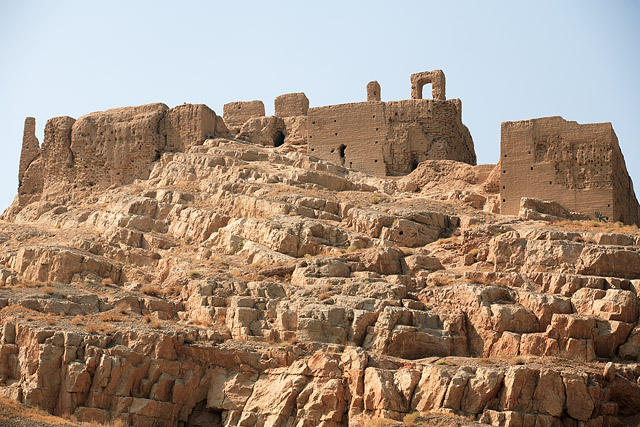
(194, 274)
(122, 307)
(379, 422)
(120, 423)
(518, 360)
(152, 321)
(29, 415)
(410, 419)
(407, 251)
(91, 328)
(110, 316)
(324, 295)
(106, 328)
(26, 283)
(152, 290)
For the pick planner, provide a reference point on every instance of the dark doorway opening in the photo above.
(341, 152)
(414, 165)
(278, 139)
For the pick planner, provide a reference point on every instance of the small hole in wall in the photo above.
(334, 121)
(376, 128)
(350, 164)
(374, 116)
(336, 133)
(504, 200)
(505, 155)
(313, 149)
(375, 161)
(550, 183)
(376, 142)
(531, 167)
(504, 171)
(313, 123)
(608, 205)
(529, 152)
(504, 188)
(401, 232)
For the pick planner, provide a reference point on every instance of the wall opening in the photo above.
(278, 139)
(414, 165)
(341, 150)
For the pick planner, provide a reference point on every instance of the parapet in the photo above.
(291, 104)
(437, 80)
(235, 114)
(373, 91)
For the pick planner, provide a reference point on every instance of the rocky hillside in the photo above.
(243, 285)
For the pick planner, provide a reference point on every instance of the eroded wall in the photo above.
(291, 104)
(113, 147)
(579, 166)
(390, 138)
(235, 114)
(349, 134)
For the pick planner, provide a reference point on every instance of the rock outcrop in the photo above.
(159, 274)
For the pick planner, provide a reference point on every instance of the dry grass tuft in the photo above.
(78, 320)
(48, 290)
(379, 422)
(110, 316)
(518, 360)
(410, 419)
(152, 290)
(324, 295)
(122, 307)
(152, 321)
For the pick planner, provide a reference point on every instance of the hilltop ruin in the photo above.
(580, 167)
(165, 267)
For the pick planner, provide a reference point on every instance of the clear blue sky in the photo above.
(506, 60)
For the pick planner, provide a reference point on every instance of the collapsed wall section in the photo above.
(235, 114)
(579, 166)
(113, 147)
(425, 129)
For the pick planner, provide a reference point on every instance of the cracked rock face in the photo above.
(235, 284)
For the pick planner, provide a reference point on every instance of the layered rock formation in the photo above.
(208, 281)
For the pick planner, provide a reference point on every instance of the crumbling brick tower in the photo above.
(391, 138)
(579, 166)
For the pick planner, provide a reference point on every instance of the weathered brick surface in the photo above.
(291, 104)
(579, 166)
(235, 114)
(390, 138)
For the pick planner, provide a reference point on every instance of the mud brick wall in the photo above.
(579, 166)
